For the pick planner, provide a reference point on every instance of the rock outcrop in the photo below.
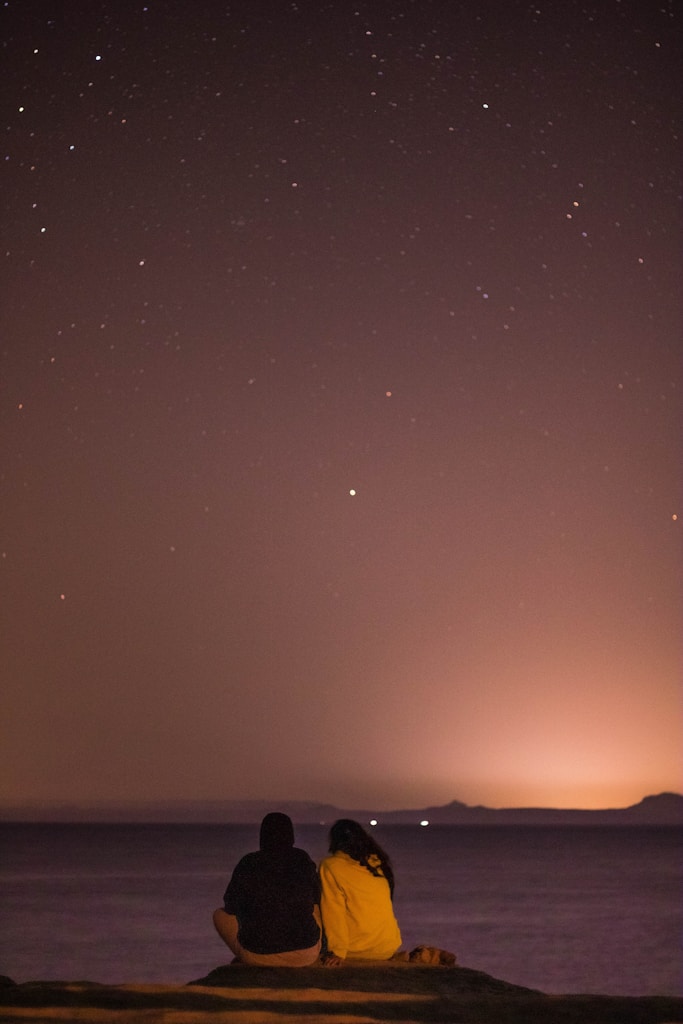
(351, 994)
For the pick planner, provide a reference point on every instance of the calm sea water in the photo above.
(559, 909)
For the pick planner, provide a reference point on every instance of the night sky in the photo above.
(341, 436)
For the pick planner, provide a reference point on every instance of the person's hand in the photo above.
(330, 959)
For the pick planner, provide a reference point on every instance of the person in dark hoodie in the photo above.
(271, 913)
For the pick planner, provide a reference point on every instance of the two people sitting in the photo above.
(278, 907)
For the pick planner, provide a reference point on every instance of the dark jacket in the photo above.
(272, 894)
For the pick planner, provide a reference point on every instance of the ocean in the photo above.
(560, 909)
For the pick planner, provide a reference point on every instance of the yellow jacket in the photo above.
(358, 916)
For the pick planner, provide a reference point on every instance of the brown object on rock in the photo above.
(432, 955)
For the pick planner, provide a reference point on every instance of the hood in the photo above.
(277, 832)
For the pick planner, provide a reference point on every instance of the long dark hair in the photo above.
(349, 837)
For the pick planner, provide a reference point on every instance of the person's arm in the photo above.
(313, 879)
(233, 892)
(333, 910)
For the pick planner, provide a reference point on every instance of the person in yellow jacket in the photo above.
(357, 883)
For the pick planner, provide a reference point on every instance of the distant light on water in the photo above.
(424, 822)
(373, 821)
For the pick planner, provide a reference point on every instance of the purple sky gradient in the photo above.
(260, 255)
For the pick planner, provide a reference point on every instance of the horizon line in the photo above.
(188, 802)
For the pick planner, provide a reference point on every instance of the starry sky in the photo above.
(341, 437)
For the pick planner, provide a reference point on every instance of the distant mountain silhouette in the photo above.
(662, 809)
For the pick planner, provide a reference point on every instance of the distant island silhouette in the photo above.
(661, 809)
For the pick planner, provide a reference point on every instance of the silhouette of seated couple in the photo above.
(280, 911)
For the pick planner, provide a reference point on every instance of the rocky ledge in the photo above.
(352, 994)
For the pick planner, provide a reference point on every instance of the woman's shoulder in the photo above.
(338, 860)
